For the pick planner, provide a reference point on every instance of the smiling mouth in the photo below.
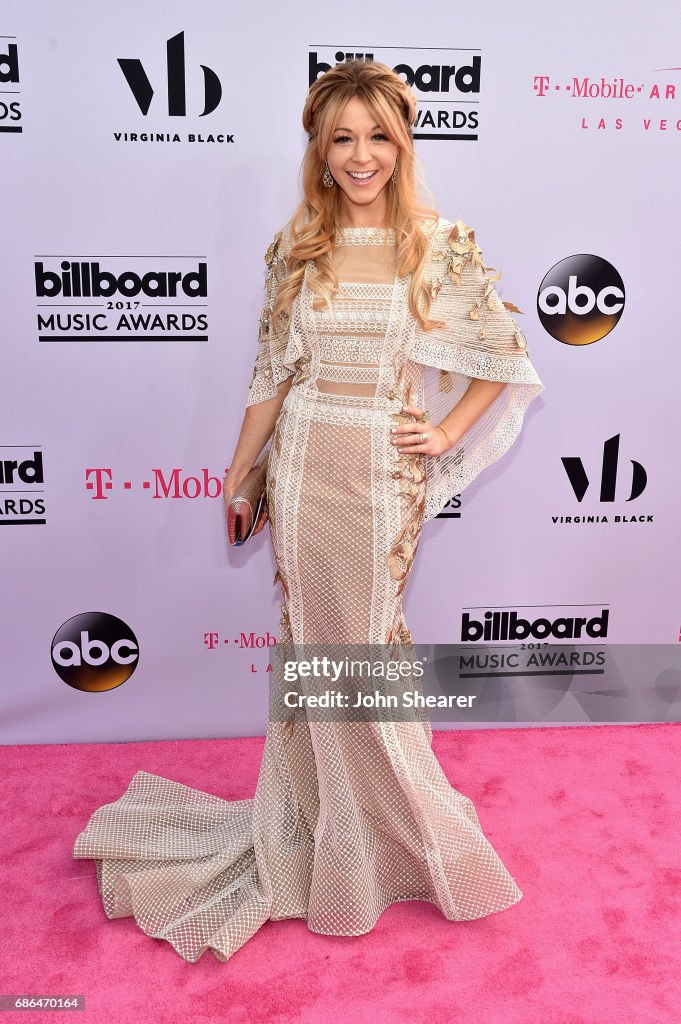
(362, 176)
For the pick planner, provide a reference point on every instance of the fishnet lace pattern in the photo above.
(347, 818)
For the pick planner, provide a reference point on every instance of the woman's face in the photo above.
(359, 146)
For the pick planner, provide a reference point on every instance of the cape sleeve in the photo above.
(481, 340)
(269, 369)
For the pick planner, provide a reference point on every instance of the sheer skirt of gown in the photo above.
(348, 817)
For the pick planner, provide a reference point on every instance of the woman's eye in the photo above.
(346, 138)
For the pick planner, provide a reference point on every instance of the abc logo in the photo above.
(580, 300)
(94, 651)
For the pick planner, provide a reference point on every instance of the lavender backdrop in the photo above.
(543, 173)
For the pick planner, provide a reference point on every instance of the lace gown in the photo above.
(348, 817)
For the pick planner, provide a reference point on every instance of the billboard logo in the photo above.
(86, 279)
(132, 298)
(22, 501)
(94, 652)
(446, 81)
(10, 111)
(508, 624)
(452, 510)
(581, 299)
(143, 91)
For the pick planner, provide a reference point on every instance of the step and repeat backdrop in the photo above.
(149, 153)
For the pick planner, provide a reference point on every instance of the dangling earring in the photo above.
(393, 176)
(327, 177)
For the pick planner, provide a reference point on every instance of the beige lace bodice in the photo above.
(369, 350)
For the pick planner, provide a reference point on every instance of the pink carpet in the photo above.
(585, 818)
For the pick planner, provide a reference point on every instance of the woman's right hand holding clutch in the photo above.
(246, 483)
(244, 499)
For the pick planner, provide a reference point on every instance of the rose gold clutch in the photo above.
(246, 508)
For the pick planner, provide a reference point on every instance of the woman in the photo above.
(388, 375)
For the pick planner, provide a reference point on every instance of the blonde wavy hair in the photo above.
(392, 104)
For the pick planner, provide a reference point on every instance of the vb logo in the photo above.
(574, 467)
(580, 300)
(94, 652)
(142, 90)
